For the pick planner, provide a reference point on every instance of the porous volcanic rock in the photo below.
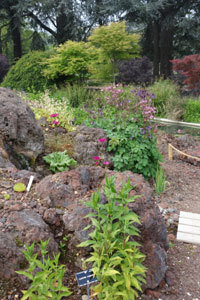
(19, 227)
(27, 226)
(68, 190)
(20, 134)
(68, 187)
(87, 145)
(11, 258)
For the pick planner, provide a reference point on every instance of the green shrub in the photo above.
(117, 261)
(113, 43)
(26, 74)
(192, 111)
(69, 63)
(166, 95)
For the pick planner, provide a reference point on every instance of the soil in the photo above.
(182, 193)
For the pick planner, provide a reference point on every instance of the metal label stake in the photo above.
(86, 278)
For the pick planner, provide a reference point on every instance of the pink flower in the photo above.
(96, 158)
(53, 115)
(55, 122)
(106, 162)
(102, 140)
(97, 162)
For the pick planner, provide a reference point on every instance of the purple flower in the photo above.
(102, 140)
(106, 162)
(54, 115)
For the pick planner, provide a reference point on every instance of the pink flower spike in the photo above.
(96, 158)
(102, 140)
(54, 115)
(106, 162)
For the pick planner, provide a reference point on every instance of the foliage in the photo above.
(19, 187)
(125, 116)
(76, 94)
(160, 180)
(167, 98)
(70, 63)
(113, 43)
(189, 67)
(26, 74)
(117, 261)
(47, 282)
(192, 111)
(37, 42)
(59, 161)
(43, 105)
(138, 71)
(4, 67)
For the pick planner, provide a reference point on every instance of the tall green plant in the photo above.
(47, 280)
(113, 43)
(117, 261)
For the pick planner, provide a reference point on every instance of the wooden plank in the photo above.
(189, 215)
(189, 229)
(188, 238)
(191, 222)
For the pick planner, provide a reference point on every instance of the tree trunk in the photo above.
(166, 47)
(156, 48)
(16, 34)
(0, 43)
(65, 24)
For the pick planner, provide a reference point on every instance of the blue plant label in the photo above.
(85, 277)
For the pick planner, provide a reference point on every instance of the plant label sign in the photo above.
(85, 277)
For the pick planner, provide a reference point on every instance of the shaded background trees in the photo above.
(168, 28)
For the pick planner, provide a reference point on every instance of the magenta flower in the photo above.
(53, 115)
(55, 122)
(96, 158)
(106, 162)
(102, 140)
(97, 162)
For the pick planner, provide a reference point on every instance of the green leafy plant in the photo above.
(59, 161)
(160, 180)
(6, 196)
(19, 187)
(125, 116)
(192, 111)
(117, 261)
(47, 282)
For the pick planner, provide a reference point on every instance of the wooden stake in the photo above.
(170, 152)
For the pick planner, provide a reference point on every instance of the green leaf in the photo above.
(19, 187)
(110, 272)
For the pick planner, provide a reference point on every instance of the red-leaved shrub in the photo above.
(189, 67)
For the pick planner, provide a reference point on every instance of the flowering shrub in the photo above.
(125, 116)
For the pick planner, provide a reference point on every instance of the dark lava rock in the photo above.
(20, 134)
(87, 145)
(70, 188)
